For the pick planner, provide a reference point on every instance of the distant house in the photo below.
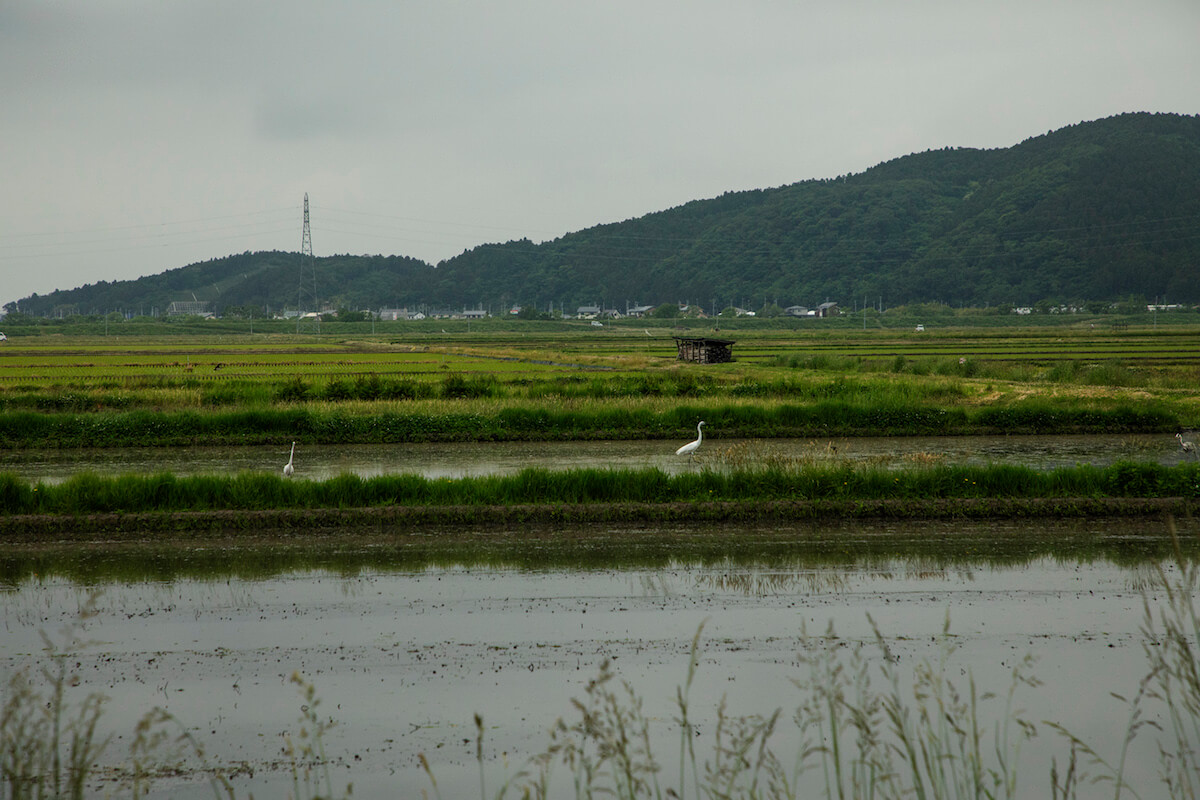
(827, 310)
(703, 350)
(587, 312)
(474, 313)
(393, 314)
(638, 311)
(798, 311)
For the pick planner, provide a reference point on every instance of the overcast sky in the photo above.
(138, 136)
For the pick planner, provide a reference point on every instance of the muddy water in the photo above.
(458, 460)
(403, 660)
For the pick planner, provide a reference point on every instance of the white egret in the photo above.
(1188, 448)
(690, 448)
(288, 469)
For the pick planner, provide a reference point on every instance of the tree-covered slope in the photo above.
(265, 281)
(1096, 211)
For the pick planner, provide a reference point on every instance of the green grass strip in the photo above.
(332, 425)
(90, 493)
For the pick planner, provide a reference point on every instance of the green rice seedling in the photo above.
(150, 492)
(368, 387)
(920, 366)
(1111, 374)
(336, 389)
(236, 393)
(342, 491)
(761, 479)
(961, 367)
(1063, 372)
(16, 495)
(456, 387)
(255, 490)
(293, 391)
(860, 408)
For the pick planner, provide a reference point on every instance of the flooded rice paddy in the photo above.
(402, 660)
(320, 462)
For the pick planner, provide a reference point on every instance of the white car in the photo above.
(920, 328)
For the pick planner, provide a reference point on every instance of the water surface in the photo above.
(492, 458)
(403, 660)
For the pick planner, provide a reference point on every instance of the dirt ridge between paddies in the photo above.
(399, 520)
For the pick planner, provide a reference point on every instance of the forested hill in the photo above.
(1097, 211)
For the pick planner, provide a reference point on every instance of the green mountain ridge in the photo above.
(1098, 211)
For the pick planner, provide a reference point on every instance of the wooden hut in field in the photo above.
(703, 350)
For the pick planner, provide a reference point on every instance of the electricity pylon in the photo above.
(308, 276)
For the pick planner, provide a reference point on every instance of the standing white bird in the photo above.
(1188, 448)
(288, 469)
(690, 448)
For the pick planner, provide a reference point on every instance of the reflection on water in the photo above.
(320, 462)
(760, 582)
(805, 549)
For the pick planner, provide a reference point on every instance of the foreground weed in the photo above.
(608, 749)
(48, 743)
(311, 778)
(940, 733)
(163, 746)
(1170, 643)
(1166, 700)
(862, 735)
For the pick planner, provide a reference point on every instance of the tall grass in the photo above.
(844, 410)
(91, 493)
(863, 733)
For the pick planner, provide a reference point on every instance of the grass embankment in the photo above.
(258, 501)
(554, 420)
